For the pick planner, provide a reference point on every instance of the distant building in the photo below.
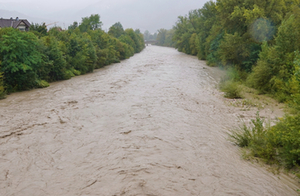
(21, 24)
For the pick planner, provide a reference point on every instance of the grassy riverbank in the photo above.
(272, 134)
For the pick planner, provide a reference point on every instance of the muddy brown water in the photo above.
(151, 125)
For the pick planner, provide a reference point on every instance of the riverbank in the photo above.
(245, 110)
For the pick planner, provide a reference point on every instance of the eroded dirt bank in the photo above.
(151, 125)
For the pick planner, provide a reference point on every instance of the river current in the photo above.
(150, 125)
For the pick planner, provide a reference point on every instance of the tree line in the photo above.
(32, 59)
(259, 41)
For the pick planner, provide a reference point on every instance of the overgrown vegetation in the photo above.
(259, 42)
(249, 135)
(32, 59)
(260, 39)
(230, 84)
(278, 144)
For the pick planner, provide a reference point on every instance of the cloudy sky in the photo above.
(138, 14)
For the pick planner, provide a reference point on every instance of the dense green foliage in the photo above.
(260, 40)
(32, 59)
(39, 30)
(116, 30)
(257, 37)
(277, 144)
(20, 59)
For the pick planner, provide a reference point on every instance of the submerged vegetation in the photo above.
(32, 59)
(259, 43)
(278, 144)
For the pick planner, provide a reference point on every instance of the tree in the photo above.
(276, 66)
(73, 26)
(20, 59)
(90, 23)
(39, 30)
(161, 36)
(81, 53)
(138, 40)
(183, 31)
(56, 62)
(116, 30)
(147, 35)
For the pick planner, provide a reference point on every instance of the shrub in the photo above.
(279, 144)
(42, 84)
(75, 72)
(232, 89)
(248, 135)
(68, 74)
(256, 137)
(285, 137)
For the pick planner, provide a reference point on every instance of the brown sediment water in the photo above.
(150, 125)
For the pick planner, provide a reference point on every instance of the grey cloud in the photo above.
(143, 14)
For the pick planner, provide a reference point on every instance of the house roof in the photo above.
(13, 22)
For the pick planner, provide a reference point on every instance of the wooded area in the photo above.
(259, 42)
(32, 59)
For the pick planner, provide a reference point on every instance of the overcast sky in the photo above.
(142, 14)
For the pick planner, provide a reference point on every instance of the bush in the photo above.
(248, 135)
(286, 138)
(76, 72)
(232, 89)
(68, 74)
(256, 137)
(278, 144)
(42, 84)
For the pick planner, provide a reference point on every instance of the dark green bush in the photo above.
(286, 139)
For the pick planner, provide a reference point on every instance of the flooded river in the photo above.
(150, 125)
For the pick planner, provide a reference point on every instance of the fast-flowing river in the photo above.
(150, 125)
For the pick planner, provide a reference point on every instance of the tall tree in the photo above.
(116, 30)
(90, 23)
(39, 30)
(20, 59)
